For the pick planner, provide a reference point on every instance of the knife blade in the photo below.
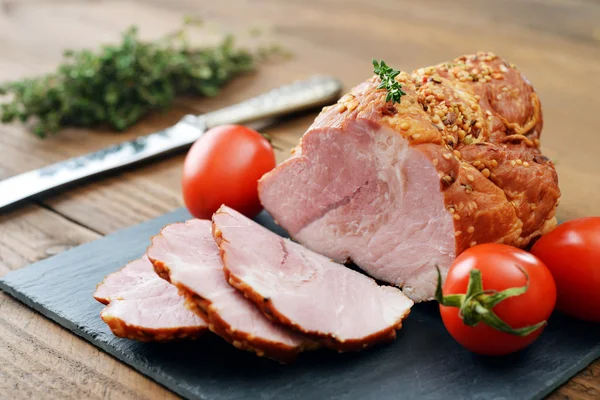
(313, 92)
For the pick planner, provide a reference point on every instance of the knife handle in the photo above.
(315, 91)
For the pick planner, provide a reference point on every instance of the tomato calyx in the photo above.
(476, 305)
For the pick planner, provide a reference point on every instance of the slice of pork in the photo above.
(401, 188)
(343, 309)
(142, 306)
(186, 255)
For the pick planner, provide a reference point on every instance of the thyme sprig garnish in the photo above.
(388, 81)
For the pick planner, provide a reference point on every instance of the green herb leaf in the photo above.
(388, 81)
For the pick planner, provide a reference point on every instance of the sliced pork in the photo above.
(343, 309)
(186, 255)
(400, 188)
(142, 306)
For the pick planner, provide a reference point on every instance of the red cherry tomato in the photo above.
(223, 167)
(572, 253)
(501, 267)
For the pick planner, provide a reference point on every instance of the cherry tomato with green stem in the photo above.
(496, 299)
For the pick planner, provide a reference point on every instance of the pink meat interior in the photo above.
(364, 194)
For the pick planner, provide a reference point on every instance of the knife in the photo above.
(313, 92)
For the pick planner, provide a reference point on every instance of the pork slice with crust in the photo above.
(186, 255)
(142, 306)
(401, 188)
(341, 308)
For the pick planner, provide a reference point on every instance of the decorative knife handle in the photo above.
(312, 92)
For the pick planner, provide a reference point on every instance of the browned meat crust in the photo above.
(122, 329)
(266, 306)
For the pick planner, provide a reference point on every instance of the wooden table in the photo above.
(555, 43)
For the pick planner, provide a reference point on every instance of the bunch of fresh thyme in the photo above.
(121, 83)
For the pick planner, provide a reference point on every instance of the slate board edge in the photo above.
(165, 381)
(569, 373)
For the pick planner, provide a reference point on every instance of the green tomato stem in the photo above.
(476, 305)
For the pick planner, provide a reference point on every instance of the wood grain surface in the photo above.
(555, 43)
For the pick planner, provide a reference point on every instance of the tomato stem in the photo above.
(476, 305)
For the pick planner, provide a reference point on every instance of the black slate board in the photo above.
(424, 362)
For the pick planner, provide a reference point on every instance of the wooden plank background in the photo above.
(556, 43)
